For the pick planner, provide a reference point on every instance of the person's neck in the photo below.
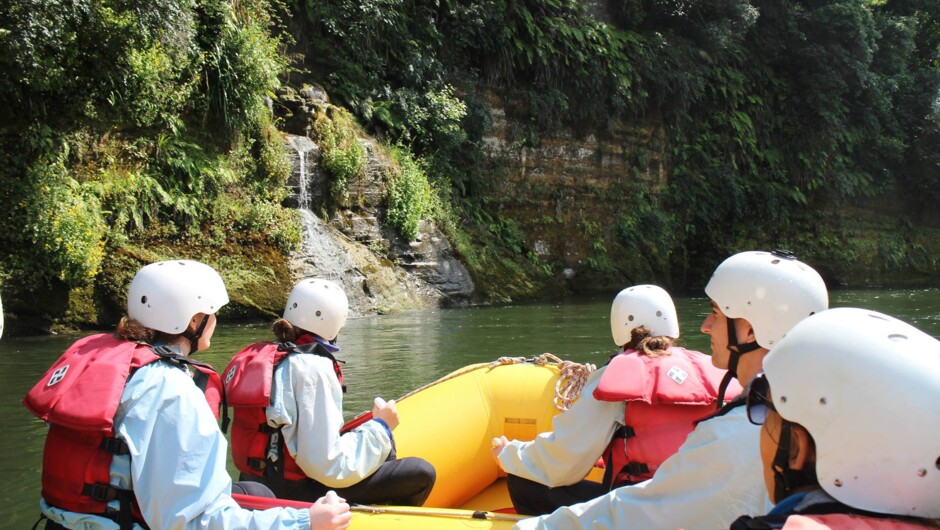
(183, 344)
(750, 364)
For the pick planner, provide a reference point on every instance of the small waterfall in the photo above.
(304, 197)
(323, 254)
(301, 146)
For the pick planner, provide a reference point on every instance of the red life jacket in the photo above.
(258, 448)
(79, 396)
(664, 397)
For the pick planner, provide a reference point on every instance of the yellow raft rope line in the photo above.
(571, 378)
(463, 514)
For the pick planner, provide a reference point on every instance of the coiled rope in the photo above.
(571, 378)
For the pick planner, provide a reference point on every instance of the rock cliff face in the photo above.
(353, 246)
(567, 194)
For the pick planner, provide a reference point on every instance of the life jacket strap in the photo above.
(271, 465)
(636, 468)
(200, 378)
(124, 515)
(613, 478)
(114, 446)
(258, 464)
(315, 348)
(42, 517)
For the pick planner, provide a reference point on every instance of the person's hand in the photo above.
(330, 512)
(498, 445)
(386, 412)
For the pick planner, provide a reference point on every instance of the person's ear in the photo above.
(748, 335)
(802, 448)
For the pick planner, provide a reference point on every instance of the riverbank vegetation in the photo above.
(131, 130)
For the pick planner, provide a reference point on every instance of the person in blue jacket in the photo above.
(163, 455)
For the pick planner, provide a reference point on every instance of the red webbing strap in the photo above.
(250, 502)
(355, 422)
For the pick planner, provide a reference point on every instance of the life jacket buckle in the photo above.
(114, 446)
(637, 468)
(100, 492)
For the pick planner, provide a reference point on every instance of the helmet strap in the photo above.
(735, 352)
(786, 480)
(196, 335)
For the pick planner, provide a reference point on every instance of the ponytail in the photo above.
(133, 330)
(646, 344)
(285, 331)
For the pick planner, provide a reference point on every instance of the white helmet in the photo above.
(318, 306)
(867, 388)
(771, 290)
(166, 294)
(643, 305)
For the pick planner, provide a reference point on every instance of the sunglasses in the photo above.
(759, 403)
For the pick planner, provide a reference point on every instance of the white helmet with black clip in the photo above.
(866, 387)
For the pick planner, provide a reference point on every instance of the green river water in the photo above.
(388, 356)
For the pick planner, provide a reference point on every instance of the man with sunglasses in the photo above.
(715, 476)
(853, 442)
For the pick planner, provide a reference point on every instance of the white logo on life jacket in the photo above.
(58, 375)
(677, 374)
(272, 447)
(230, 374)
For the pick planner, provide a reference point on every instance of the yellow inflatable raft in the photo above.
(451, 423)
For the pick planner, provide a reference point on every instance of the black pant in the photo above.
(531, 498)
(403, 482)
(252, 488)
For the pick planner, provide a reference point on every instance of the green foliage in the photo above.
(342, 155)
(257, 219)
(131, 120)
(242, 65)
(60, 228)
(410, 197)
(150, 119)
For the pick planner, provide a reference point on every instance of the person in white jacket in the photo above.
(290, 439)
(716, 475)
(633, 413)
(161, 463)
